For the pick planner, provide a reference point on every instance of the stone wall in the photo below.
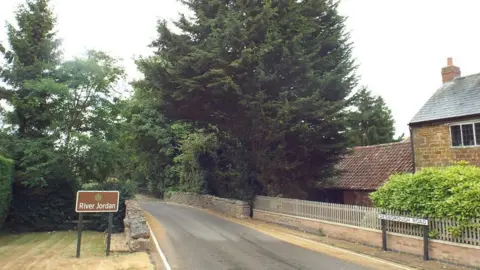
(137, 233)
(440, 250)
(234, 208)
(432, 147)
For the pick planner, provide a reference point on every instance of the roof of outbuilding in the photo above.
(369, 167)
(460, 97)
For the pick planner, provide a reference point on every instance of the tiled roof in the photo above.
(460, 97)
(369, 167)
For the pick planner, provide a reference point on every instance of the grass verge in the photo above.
(56, 250)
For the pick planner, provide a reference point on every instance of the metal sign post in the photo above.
(109, 235)
(93, 201)
(79, 228)
(384, 234)
(425, 243)
(419, 221)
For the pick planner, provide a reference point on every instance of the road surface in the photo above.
(196, 240)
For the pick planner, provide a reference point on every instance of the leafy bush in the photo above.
(447, 192)
(195, 150)
(127, 191)
(6, 175)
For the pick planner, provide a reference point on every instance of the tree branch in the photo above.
(5, 94)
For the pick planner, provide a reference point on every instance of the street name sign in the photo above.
(410, 220)
(417, 221)
(93, 201)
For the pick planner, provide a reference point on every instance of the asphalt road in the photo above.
(197, 240)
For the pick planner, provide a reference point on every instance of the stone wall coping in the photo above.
(237, 208)
(452, 243)
(232, 201)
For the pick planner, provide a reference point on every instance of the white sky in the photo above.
(400, 45)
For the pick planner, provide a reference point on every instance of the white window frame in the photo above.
(471, 122)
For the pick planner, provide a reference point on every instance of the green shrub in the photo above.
(6, 179)
(127, 191)
(194, 149)
(446, 192)
(52, 208)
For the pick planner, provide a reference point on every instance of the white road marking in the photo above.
(350, 252)
(164, 259)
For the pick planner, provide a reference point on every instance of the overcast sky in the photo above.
(400, 45)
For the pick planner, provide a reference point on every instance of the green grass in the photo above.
(57, 250)
(61, 243)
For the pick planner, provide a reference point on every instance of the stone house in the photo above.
(366, 169)
(447, 127)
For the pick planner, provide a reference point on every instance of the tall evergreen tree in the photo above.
(31, 60)
(371, 121)
(274, 75)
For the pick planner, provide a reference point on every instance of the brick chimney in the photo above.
(450, 72)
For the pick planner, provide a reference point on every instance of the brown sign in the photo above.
(91, 201)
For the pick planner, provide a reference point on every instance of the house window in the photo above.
(465, 134)
(477, 133)
(456, 135)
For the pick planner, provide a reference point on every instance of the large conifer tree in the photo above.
(31, 60)
(274, 75)
(371, 121)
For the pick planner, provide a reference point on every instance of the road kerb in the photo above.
(276, 234)
(350, 252)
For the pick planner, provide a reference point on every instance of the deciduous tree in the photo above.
(63, 129)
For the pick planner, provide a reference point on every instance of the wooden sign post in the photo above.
(419, 221)
(93, 201)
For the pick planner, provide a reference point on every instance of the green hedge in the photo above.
(52, 208)
(452, 192)
(43, 208)
(127, 191)
(6, 179)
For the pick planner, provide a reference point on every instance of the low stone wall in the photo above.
(234, 208)
(137, 233)
(461, 254)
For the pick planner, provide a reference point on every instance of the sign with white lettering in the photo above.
(410, 220)
(92, 201)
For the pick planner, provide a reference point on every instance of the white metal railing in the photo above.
(367, 217)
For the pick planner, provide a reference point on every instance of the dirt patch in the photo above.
(118, 243)
(56, 250)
